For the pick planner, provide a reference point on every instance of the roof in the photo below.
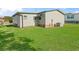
(54, 10)
(17, 13)
(76, 13)
(72, 13)
(38, 13)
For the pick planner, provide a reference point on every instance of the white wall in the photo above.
(76, 17)
(56, 16)
(16, 20)
(29, 21)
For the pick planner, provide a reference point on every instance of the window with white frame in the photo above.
(70, 16)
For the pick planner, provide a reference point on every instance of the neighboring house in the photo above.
(72, 18)
(1, 20)
(52, 18)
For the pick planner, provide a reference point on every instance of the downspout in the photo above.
(22, 21)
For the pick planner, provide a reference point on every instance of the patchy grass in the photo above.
(40, 39)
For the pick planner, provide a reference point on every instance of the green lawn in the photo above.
(40, 39)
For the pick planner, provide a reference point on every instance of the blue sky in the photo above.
(45, 9)
(10, 12)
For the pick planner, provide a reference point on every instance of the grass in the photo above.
(40, 39)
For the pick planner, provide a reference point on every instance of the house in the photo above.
(52, 18)
(72, 18)
(5, 20)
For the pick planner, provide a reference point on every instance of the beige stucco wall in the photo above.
(29, 21)
(54, 17)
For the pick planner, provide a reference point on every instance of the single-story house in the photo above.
(52, 18)
(72, 18)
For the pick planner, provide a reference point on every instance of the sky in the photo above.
(10, 7)
(46, 9)
(11, 11)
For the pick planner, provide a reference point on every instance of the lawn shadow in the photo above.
(10, 25)
(9, 42)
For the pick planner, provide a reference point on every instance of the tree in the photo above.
(8, 19)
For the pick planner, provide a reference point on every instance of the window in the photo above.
(35, 18)
(71, 16)
(38, 18)
(25, 17)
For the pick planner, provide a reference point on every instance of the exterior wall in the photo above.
(54, 17)
(76, 17)
(29, 21)
(16, 20)
(75, 20)
(69, 19)
(42, 21)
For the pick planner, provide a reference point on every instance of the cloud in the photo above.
(76, 11)
(9, 11)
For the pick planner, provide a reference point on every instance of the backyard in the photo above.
(39, 39)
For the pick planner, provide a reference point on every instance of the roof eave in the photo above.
(18, 13)
(53, 10)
